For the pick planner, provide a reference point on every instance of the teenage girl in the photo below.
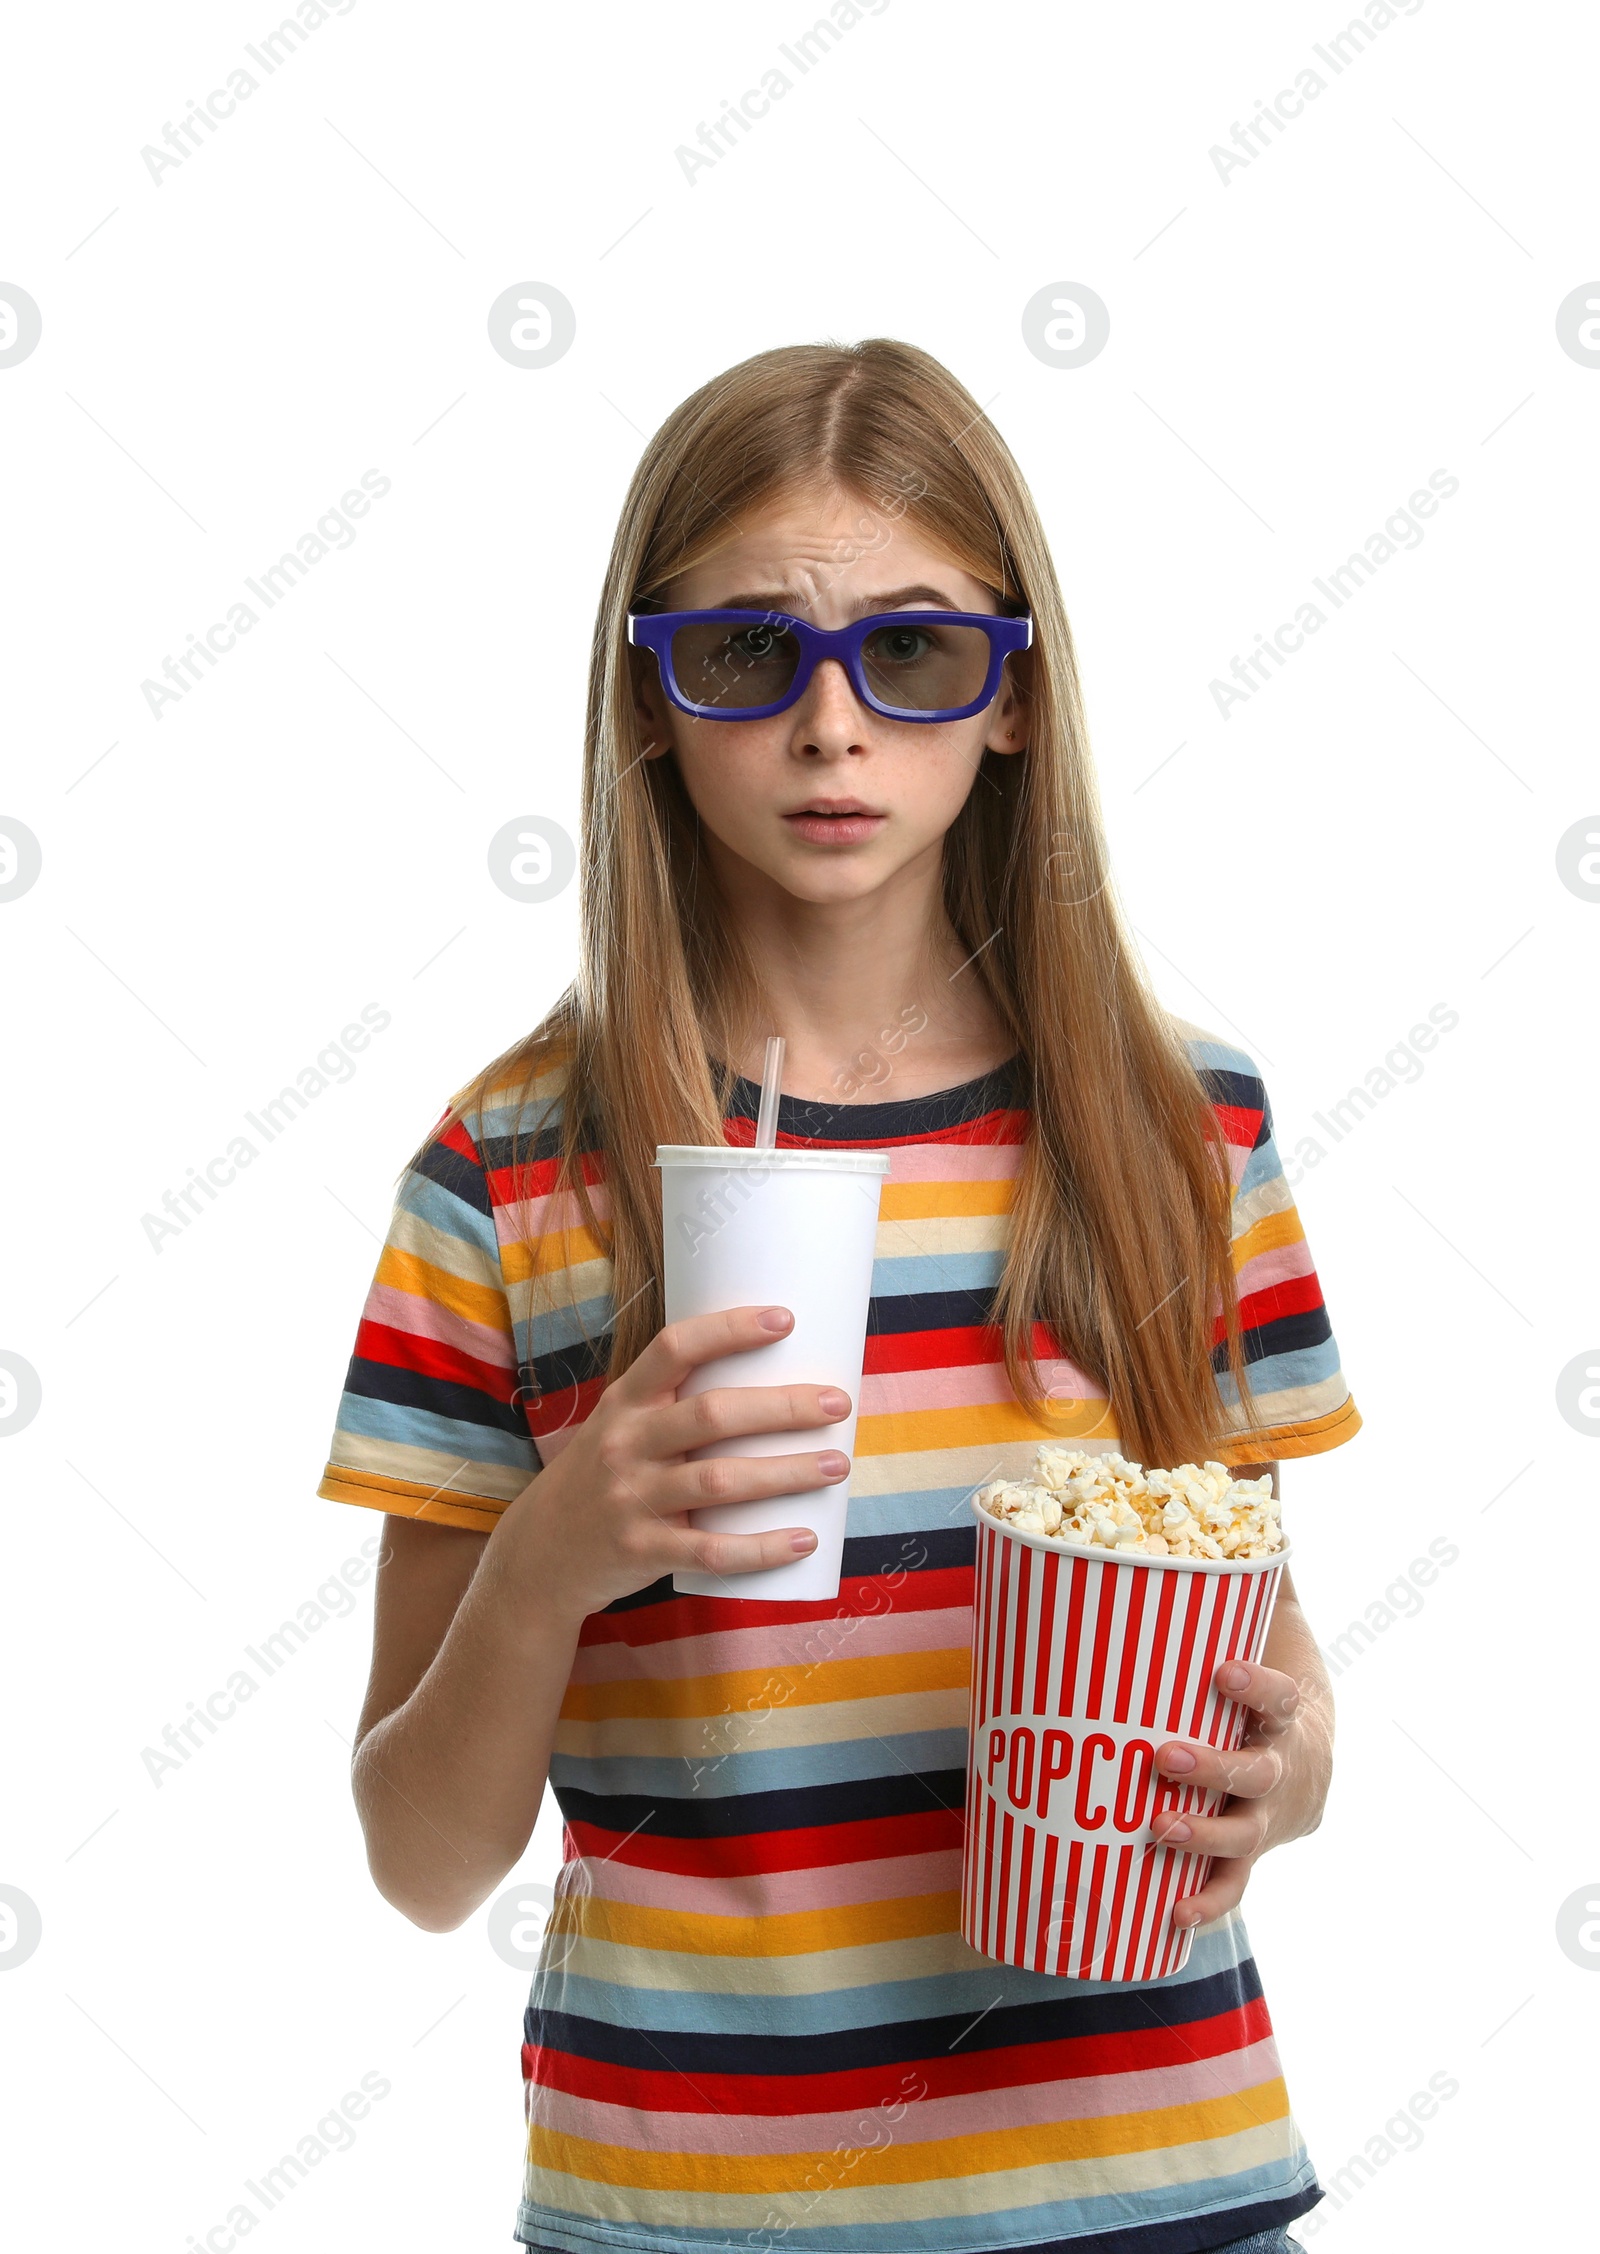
(833, 789)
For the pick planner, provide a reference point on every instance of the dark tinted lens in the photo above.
(924, 665)
(730, 667)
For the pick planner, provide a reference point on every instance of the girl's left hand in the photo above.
(1276, 1782)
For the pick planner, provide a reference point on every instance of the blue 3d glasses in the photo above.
(905, 664)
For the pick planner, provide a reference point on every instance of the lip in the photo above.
(835, 821)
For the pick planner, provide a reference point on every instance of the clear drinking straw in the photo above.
(767, 1116)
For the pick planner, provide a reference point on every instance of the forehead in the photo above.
(829, 548)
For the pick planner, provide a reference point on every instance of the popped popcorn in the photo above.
(1106, 1502)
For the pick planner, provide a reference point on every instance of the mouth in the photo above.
(835, 821)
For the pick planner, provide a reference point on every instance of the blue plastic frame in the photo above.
(653, 631)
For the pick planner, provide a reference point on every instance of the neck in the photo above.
(872, 996)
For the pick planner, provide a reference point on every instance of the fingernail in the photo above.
(1235, 1678)
(803, 1543)
(1178, 1757)
(1185, 1916)
(833, 1403)
(1176, 1834)
(775, 1318)
(832, 1465)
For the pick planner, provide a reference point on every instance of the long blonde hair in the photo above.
(1119, 1241)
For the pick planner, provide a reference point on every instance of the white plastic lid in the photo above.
(741, 1159)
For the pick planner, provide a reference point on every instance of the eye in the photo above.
(756, 641)
(901, 645)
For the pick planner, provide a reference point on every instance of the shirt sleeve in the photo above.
(432, 1424)
(1300, 1403)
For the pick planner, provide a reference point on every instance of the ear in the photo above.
(1008, 715)
(650, 708)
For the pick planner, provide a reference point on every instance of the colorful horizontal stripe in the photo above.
(755, 2013)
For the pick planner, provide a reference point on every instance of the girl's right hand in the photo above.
(611, 1513)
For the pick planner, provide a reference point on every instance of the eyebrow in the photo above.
(790, 599)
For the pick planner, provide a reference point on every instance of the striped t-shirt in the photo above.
(755, 2023)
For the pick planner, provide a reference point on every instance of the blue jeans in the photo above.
(1275, 2241)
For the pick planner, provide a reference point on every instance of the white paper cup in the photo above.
(778, 1228)
(1084, 1663)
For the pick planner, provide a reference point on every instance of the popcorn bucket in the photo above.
(1084, 1663)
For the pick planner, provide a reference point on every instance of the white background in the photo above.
(1292, 352)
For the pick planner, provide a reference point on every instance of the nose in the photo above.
(829, 720)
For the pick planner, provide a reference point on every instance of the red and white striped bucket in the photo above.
(1084, 1663)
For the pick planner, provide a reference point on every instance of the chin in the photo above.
(821, 876)
(841, 876)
